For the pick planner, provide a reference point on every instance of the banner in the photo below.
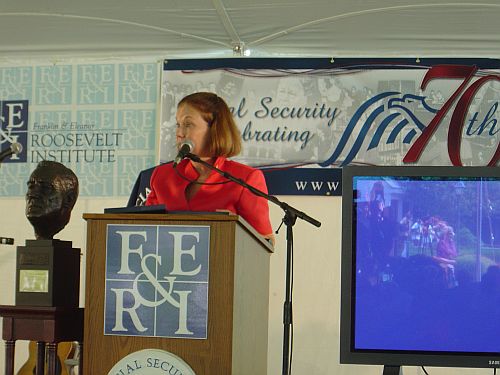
(97, 119)
(326, 114)
(101, 119)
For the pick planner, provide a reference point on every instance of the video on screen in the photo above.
(427, 264)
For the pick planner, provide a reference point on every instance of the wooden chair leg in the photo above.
(10, 348)
(51, 358)
(40, 358)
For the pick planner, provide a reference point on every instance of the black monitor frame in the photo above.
(393, 359)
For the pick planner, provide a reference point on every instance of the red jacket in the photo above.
(168, 187)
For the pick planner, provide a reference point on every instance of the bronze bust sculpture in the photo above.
(52, 193)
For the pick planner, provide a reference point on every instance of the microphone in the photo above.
(15, 148)
(185, 149)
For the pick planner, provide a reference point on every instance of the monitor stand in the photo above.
(392, 370)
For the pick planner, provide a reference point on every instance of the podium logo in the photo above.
(150, 362)
(157, 281)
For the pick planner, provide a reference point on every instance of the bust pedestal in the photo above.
(47, 274)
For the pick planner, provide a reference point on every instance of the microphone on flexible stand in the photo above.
(15, 148)
(186, 148)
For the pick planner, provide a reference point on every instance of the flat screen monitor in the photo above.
(421, 266)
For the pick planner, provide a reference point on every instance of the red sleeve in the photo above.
(254, 209)
(151, 199)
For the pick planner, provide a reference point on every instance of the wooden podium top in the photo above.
(188, 216)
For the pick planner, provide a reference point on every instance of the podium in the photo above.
(235, 341)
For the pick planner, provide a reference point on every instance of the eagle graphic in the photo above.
(392, 113)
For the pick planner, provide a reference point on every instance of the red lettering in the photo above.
(439, 71)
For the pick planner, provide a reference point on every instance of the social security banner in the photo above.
(103, 120)
(325, 113)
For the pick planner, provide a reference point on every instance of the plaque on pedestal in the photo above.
(47, 274)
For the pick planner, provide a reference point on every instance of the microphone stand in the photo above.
(291, 215)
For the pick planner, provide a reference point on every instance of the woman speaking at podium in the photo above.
(206, 126)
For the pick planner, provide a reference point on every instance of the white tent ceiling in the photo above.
(278, 28)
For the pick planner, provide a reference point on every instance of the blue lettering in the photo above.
(488, 121)
(263, 102)
(314, 112)
(276, 135)
(471, 123)
(240, 112)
